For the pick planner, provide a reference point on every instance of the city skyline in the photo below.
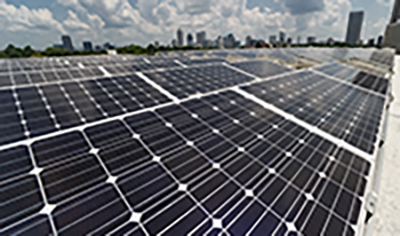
(40, 23)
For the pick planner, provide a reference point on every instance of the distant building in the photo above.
(230, 41)
(330, 41)
(174, 43)
(289, 41)
(250, 42)
(272, 39)
(189, 40)
(298, 39)
(379, 41)
(201, 39)
(354, 27)
(220, 42)
(87, 46)
(311, 40)
(107, 46)
(392, 36)
(180, 38)
(396, 12)
(282, 37)
(392, 33)
(98, 48)
(156, 44)
(67, 42)
(58, 46)
(371, 42)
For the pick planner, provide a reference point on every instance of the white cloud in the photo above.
(74, 23)
(120, 22)
(25, 19)
(386, 3)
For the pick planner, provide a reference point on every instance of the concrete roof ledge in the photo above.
(385, 220)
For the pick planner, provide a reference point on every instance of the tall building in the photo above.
(311, 39)
(67, 42)
(201, 39)
(379, 41)
(282, 37)
(298, 39)
(180, 38)
(354, 27)
(392, 32)
(189, 40)
(87, 46)
(371, 42)
(396, 12)
(272, 39)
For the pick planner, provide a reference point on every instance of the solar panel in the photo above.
(218, 164)
(350, 75)
(261, 68)
(334, 107)
(137, 154)
(185, 82)
(39, 110)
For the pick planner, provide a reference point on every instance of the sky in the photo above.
(41, 23)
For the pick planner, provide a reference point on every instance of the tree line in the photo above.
(15, 52)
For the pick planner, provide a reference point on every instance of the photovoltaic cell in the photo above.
(34, 111)
(185, 82)
(341, 110)
(261, 68)
(356, 77)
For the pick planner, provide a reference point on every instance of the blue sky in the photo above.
(41, 22)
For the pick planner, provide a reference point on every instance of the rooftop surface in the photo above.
(386, 223)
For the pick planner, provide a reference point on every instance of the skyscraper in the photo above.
(201, 39)
(396, 12)
(354, 27)
(272, 39)
(67, 42)
(189, 40)
(180, 38)
(87, 46)
(282, 37)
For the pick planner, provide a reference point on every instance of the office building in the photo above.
(87, 46)
(174, 43)
(395, 12)
(392, 33)
(354, 27)
(180, 38)
(379, 41)
(282, 37)
(371, 42)
(201, 39)
(67, 42)
(298, 39)
(289, 41)
(311, 39)
(189, 40)
(272, 39)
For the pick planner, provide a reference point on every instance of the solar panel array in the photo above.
(176, 146)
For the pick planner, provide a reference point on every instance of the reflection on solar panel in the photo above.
(334, 107)
(134, 154)
(261, 69)
(357, 77)
(185, 82)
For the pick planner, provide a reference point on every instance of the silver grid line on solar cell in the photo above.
(311, 128)
(344, 82)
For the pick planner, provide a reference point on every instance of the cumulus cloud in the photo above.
(74, 23)
(25, 19)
